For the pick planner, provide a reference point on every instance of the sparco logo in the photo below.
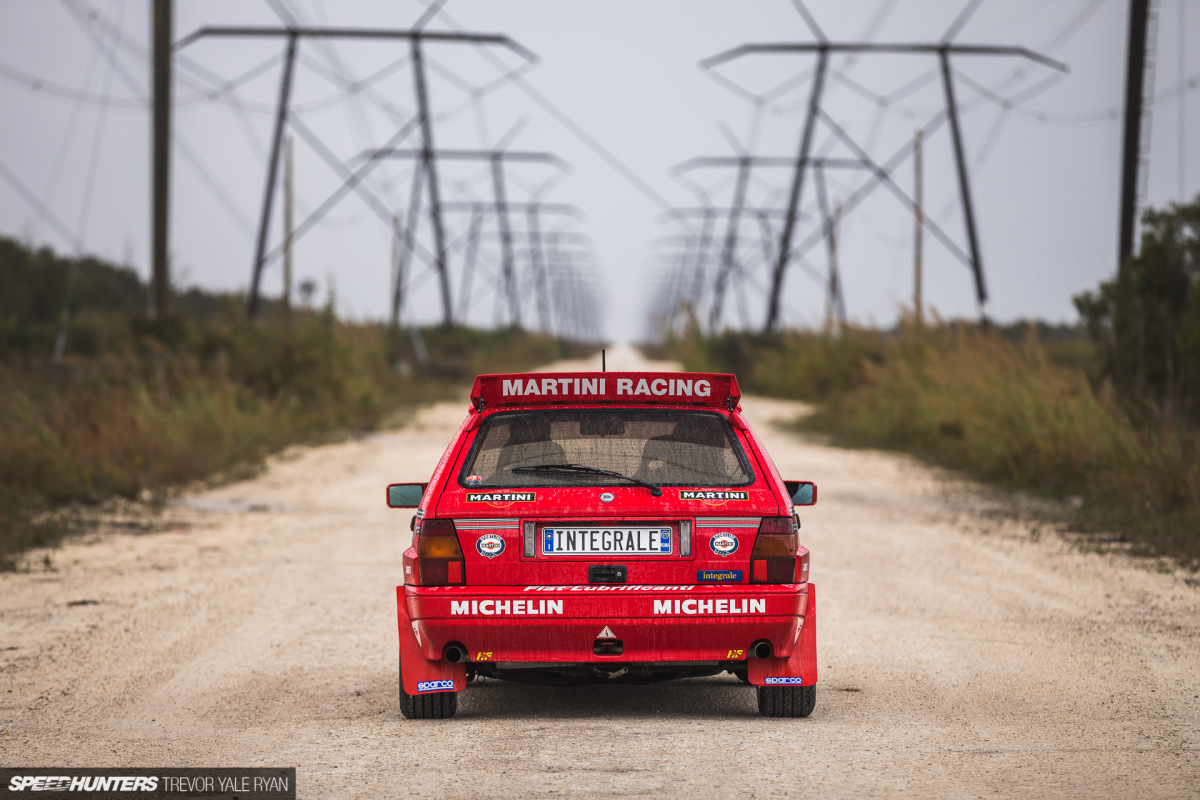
(88, 783)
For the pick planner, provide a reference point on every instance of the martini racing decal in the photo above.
(501, 499)
(723, 544)
(435, 686)
(581, 387)
(713, 497)
(692, 607)
(783, 681)
(718, 576)
(490, 545)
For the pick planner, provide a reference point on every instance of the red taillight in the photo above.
(774, 556)
(439, 558)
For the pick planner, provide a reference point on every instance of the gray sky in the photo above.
(1045, 174)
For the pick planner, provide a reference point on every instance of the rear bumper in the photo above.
(548, 625)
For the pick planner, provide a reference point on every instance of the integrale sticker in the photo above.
(718, 576)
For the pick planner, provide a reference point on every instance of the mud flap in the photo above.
(801, 665)
(419, 674)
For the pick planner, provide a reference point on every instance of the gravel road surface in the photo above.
(961, 654)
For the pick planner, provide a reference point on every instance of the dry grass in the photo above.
(997, 410)
(176, 402)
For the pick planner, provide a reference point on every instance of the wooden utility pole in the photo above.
(160, 127)
(834, 291)
(288, 188)
(1135, 81)
(919, 213)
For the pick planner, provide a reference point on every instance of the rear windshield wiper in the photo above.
(655, 490)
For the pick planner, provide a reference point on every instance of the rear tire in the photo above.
(786, 701)
(436, 705)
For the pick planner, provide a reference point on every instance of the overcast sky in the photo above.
(1045, 173)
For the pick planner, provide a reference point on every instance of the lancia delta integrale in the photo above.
(605, 526)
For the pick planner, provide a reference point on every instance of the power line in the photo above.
(575, 128)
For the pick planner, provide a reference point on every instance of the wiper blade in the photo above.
(583, 469)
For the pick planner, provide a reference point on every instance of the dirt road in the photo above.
(960, 655)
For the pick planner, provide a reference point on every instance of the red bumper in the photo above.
(561, 624)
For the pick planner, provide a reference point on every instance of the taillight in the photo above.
(774, 556)
(439, 558)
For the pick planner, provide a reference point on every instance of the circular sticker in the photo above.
(490, 545)
(607, 497)
(474, 480)
(723, 543)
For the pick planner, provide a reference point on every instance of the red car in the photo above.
(605, 526)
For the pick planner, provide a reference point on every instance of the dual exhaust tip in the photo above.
(456, 653)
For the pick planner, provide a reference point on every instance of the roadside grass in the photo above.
(999, 410)
(151, 405)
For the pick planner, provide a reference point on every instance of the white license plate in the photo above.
(607, 542)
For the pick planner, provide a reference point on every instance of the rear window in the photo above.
(669, 448)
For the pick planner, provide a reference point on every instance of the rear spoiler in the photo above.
(698, 389)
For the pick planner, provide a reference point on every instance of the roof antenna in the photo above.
(602, 367)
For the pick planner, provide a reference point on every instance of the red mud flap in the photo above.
(421, 676)
(801, 668)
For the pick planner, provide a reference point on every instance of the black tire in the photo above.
(786, 701)
(438, 705)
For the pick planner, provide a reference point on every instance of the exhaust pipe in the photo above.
(454, 653)
(761, 649)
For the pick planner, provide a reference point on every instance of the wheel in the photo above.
(437, 705)
(786, 701)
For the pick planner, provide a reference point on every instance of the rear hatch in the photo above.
(518, 527)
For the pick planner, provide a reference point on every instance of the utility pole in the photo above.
(918, 213)
(397, 266)
(288, 192)
(160, 192)
(964, 183)
(730, 246)
(416, 38)
(264, 224)
(430, 167)
(506, 247)
(789, 221)
(823, 49)
(1135, 81)
(408, 241)
(497, 159)
(537, 261)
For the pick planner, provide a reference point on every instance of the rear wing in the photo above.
(699, 389)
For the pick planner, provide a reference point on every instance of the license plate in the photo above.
(607, 542)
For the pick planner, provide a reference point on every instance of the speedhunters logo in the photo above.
(82, 783)
(151, 783)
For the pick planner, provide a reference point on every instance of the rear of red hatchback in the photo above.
(605, 527)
